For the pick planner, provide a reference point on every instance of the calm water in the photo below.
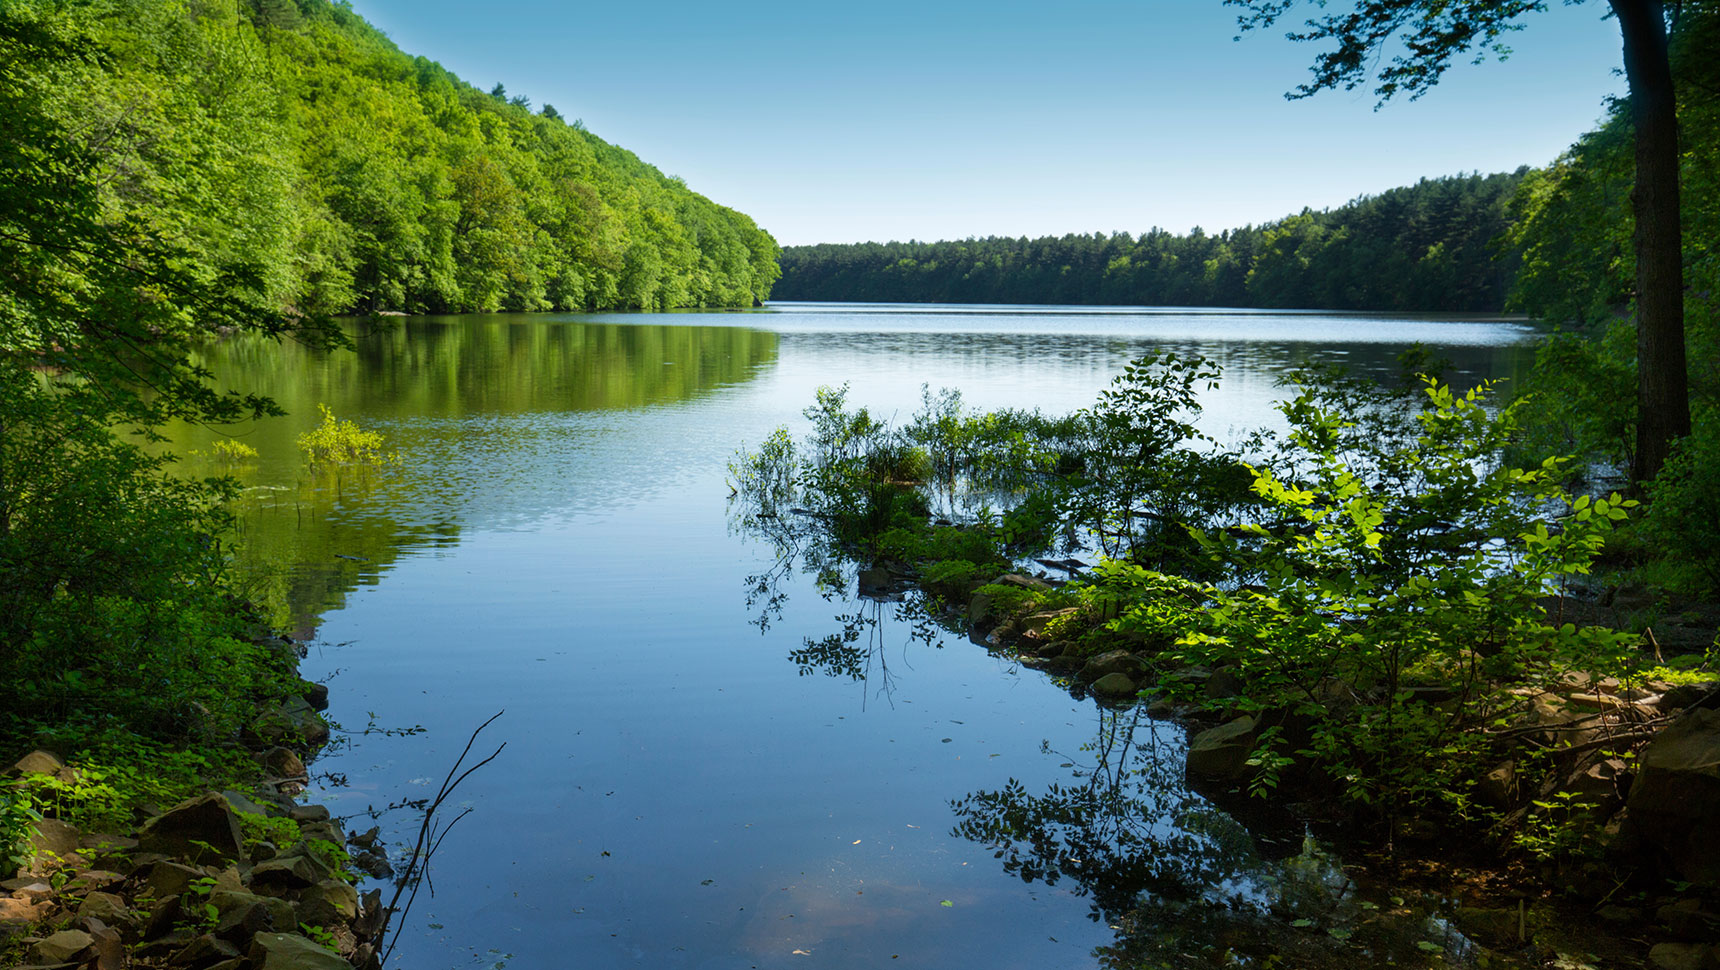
(681, 788)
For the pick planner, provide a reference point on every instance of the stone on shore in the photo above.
(207, 819)
(1676, 795)
(290, 951)
(1222, 752)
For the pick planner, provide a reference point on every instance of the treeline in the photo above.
(1428, 246)
(294, 134)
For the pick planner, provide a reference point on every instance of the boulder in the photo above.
(37, 763)
(55, 839)
(1021, 581)
(1681, 956)
(294, 720)
(316, 695)
(167, 879)
(107, 947)
(62, 947)
(290, 951)
(1109, 662)
(981, 611)
(1498, 788)
(1034, 624)
(331, 902)
(195, 829)
(234, 907)
(1223, 683)
(107, 907)
(1676, 795)
(1690, 695)
(1221, 752)
(204, 950)
(308, 813)
(13, 910)
(1687, 920)
(286, 872)
(1115, 685)
(284, 763)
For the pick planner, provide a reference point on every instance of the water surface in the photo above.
(683, 785)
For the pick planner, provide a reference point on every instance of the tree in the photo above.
(1426, 35)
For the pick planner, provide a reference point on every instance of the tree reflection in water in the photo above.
(1182, 883)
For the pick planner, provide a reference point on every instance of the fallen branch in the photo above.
(430, 836)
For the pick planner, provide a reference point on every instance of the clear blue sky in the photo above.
(943, 119)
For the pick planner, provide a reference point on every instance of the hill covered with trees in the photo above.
(293, 133)
(1427, 246)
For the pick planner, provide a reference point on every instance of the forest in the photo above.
(362, 179)
(1428, 246)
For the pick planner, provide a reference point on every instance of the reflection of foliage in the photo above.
(1126, 829)
(1179, 881)
(857, 651)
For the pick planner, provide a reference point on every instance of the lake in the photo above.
(690, 780)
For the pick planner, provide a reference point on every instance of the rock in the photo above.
(308, 813)
(55, 839)
(294, 720)
(1021, 581)
(232, 907)
(1498, 788)
(1115, 685)
(1109, 662)
(328, 903)
(1223, 683)
(37, 763)
(284, 763)
(243, 803)
(107, 907)
(1676, 795)
(1034, 624)
(290, 951)
(1573, 680)
(1680, 956)
(62, 947)
(1599, 783)
(980, 613)
(1687, 920)
(1162, 709)
(206, 819)
(1221, 752)
(159, 946)
(316, 695)
(203, 950)
(1690, 695)
(286, 872)
(106, 947)
(167, 879)
(1550, 712)
(23, 910)
(90, 880)
(1051, 650)
(322, 831)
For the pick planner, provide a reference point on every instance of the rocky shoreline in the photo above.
(227, 880)
(1639, 762)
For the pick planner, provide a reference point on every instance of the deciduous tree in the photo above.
(1415, 40)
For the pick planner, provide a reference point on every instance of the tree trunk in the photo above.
(1663, 392)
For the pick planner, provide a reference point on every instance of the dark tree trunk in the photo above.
(1663, 394)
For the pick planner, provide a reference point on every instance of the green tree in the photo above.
(1424, 35)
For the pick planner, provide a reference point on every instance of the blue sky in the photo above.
(941, 119)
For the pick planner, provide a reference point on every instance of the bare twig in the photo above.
(430, 836)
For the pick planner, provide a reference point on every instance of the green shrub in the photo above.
(335, 443)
